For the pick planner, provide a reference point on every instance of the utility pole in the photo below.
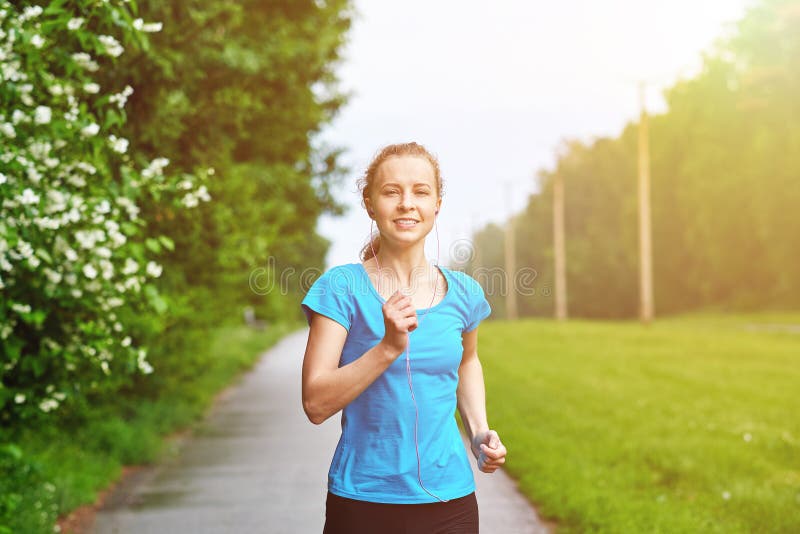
(559, 249)
(476, 259)
(645, 242)
(511, 260)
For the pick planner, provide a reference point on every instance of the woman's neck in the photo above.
(404, 266)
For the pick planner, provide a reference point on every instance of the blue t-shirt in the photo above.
(375, 459)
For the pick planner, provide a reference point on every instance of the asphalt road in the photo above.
(257, 464)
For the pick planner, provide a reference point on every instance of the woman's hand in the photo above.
(489, 451)
(399, 318)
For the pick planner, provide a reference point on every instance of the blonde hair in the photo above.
(365, 182)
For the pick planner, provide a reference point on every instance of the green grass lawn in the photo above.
(691, 424)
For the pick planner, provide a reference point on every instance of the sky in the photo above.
(493, 89)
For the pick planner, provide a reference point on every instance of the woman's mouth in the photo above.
(406, 223)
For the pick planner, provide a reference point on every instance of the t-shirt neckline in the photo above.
(377, 295)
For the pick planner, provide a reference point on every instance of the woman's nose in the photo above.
(406, 201)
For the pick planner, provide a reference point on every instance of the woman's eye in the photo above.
(422, 192)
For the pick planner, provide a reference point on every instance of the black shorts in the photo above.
(350, 516)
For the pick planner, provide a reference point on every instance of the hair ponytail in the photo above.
(374, 244)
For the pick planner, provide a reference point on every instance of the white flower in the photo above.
(108, 270)
(33, 175)
(143, 364)
(21, 308)
(121, 98)
(118, 144)
(113, 48)
(19, 398)
(76, 293)
(89, 271)
(126, 341)
(103, 252)
(48, 404)
(25, 249)
(37, 41)
(6, 330)
(104, 367)
(56, 90)
(31, 12)
(117, 238)
(129, 206)
(34, 262)
(46, 223)
(190, 200)
(91, 88)
(71, 254)
(202, 192)
(28, 197)
(75, 23)
(103, 207)
(90, 130)
(155, 168)
(8, 129)
(153, 269)
(130, 266)
(140, 25)
(85, 61)
(53, 276)
(86, 167)
(42, 115)
(3, 178)
(18, 116)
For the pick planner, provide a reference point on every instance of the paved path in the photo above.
(258, 465)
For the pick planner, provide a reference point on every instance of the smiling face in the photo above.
(404, 198)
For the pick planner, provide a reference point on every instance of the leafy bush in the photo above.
(73, 259)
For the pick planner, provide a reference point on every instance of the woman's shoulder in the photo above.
(339, 276)
(465, 284)
(342, 270)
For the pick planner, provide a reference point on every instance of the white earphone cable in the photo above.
(408, 356)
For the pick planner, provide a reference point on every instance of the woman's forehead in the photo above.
(406, 170)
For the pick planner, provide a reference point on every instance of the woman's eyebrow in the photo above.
(398, 185)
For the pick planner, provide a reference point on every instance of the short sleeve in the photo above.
(479, 306)
(330, 295)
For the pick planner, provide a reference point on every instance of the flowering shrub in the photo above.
(74, 261)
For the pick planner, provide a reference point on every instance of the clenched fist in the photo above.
(399, 318)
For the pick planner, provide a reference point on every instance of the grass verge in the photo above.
(686, 425)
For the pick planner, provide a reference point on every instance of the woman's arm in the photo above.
(327, 388)
(471, 397)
